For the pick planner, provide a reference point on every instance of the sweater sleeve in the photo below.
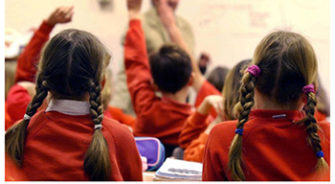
(138, 73)
(193, 127)
(26, 64)
(17, 102)
(195, 151)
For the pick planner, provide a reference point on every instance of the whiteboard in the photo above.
(228, 30)
(231, 29)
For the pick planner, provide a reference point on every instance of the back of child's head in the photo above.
(217, 77)
(170, 68)
(231, 88)
(283, 64)
(72, 66)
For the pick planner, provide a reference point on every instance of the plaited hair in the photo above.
(71, 65)
(287, 62)
(231, 88)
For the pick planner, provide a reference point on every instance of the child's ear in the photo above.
(191, 80)
(154, 86)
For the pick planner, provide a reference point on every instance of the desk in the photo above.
(149, 175)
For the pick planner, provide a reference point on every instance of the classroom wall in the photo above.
(228, 30)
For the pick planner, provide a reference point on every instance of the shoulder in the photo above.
(118, 131)
(324, 129)
(223, 133)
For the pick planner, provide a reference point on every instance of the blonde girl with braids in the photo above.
(71, 139)
(274, 138)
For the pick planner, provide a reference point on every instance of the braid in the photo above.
(311, 128)
(96, 109)
(97, 161)
(245, 105)
(15, 136)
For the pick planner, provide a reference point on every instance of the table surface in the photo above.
(149, 175)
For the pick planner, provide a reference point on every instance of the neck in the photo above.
(85, 97)
(264, 102)
(179, 96)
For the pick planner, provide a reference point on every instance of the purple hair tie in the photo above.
(254, 70)
(308, 88)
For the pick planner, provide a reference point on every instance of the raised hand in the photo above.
(212, 101)
(61, 14)
(134, 8)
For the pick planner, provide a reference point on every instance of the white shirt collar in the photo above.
(69, 107)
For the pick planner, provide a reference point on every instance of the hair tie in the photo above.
(308, 88)
(26, 117)
(98, 126)
(239, 131)
(319, 154)
(254, 70)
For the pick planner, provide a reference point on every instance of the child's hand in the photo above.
(62, 14)
(212, 101)
(134, 8)
(166, 13)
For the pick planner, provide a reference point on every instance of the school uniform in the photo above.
(59, 137)
(119, 115)
(192, 137)
(18, 97)
(156, 117)
(27, 62)
(274, 148)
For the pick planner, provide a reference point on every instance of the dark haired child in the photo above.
(217, 77)
(274, 138)
(21, 93)
(71, 139)
(170, 69)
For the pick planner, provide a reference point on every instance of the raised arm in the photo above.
(28, 59)
(137, 66)
(168, 20)
(198, 122)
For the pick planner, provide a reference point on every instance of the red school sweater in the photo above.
(18, 97)
(273, 148)
(156, 117)
(56, 144)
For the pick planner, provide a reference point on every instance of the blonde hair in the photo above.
(231, 87)
(287, 62)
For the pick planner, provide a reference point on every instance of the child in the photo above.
(71, 139)
(21, 93)
(171, 70)
(194, 135)
(268, 141)
(217, 77)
